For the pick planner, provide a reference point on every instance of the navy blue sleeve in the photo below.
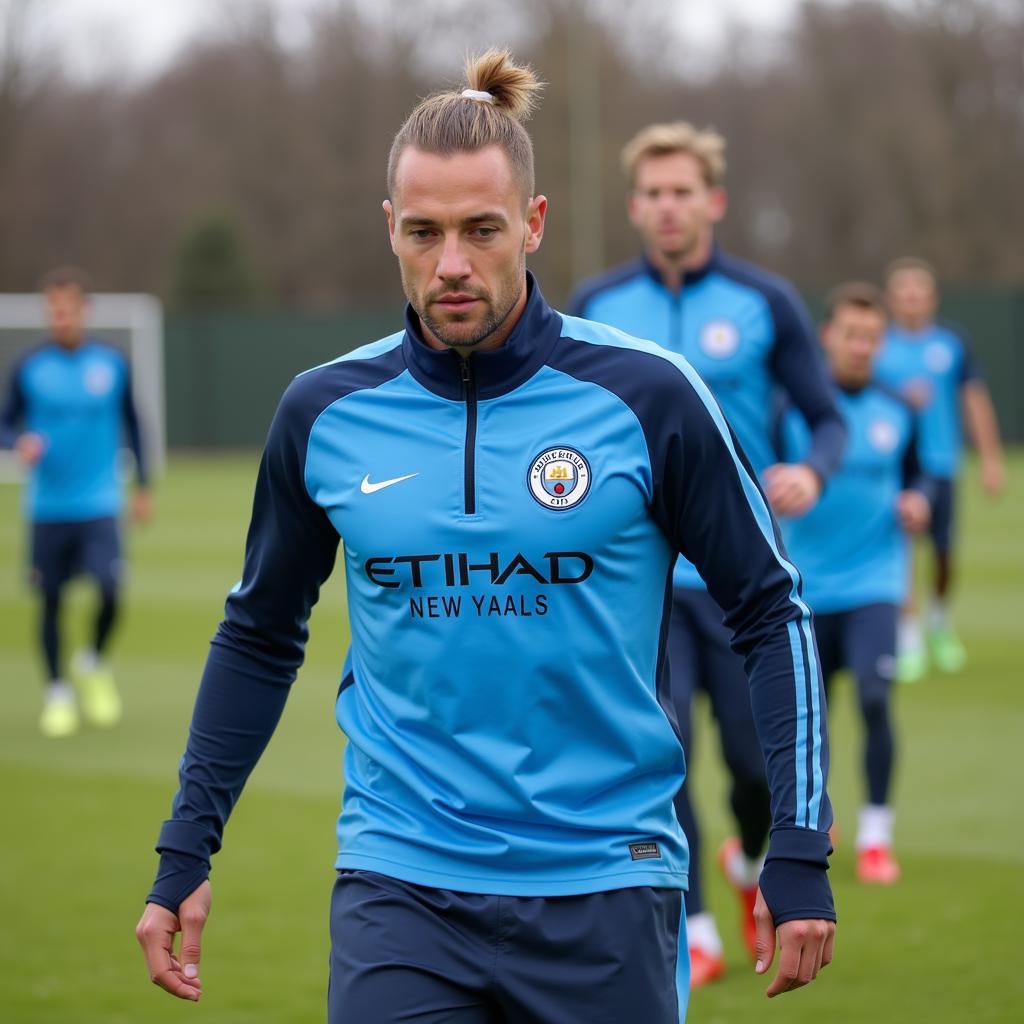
(912, 471)
(970, 369)
(708, 504)
(130, 416)
(576, 305)
(797, 365)
(13, 411)
(255, 654)
(780, 444)
(586, 291)
(579, 299)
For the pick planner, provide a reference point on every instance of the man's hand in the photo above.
(792, 489)
(30, 448)
(993, 476)
(914, 511)
(919, 393)
(142, 505)
(179, 974)
(804, 948)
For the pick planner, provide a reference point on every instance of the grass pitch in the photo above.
(80, 815)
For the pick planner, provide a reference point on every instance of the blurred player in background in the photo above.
(931, 365)
(69, 405)
(852, 549)
(748, 335)
(512, 486)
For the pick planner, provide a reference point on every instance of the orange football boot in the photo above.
(746, 894)
(704, 967)
(877, 866)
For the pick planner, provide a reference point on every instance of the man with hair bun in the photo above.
(511, 486)
(748, 335)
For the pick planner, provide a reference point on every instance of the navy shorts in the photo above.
(940, 529)
(402, 952)
(864, 641)
(700, 658)
(61, 551)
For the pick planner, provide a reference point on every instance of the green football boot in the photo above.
(97, 691)
(946, 649)
(59, 717)
(911, 666)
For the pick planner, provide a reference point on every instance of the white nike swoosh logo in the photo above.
(367, 488)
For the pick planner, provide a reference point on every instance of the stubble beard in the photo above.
(442, 331)
(684, 250)
(492, 321)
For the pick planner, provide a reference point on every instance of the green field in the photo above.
(80, 815)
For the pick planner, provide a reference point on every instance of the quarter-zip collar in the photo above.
(67, 350)
(690, 277)
(496, 372)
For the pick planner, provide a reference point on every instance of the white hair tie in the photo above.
(477, 94)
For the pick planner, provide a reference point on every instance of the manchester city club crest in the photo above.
(559, 478)
(883, 436)
(99, 378)
(719, 339)
(938, 357)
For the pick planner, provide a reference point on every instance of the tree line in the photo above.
(251, 171)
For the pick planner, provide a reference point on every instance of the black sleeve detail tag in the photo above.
(644, 851)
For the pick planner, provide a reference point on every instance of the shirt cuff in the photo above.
(794, 881)
(178, 876)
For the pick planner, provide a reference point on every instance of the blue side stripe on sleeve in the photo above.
(819, 776)
(801, 726)
(803, 674)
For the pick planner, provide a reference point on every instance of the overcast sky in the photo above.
(142, 36)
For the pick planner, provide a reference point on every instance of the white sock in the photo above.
(938, 614)
(87, 660)
(909, 639)
(743, 871)
(702, 931)
(60, 691)
(874, 826)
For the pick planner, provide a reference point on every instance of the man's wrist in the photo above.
(796, 890)
(818, 471)
(178, 876)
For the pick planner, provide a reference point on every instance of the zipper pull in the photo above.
(467, 374)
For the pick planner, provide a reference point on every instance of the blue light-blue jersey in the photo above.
(851, 548)
(79, 401)
(509, 526)
(929, 367)
(748, 335)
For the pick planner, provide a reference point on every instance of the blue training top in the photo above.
(509, 525)
(851, 548)
(747, 334)
(79, 400)
(929, 367)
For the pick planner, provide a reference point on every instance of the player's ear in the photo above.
(536, 212)
(389, 212)
(719, 203)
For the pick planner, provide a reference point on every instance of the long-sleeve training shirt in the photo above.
(748, 335)
(929, 368)
(509, 524)
(79, 400)
(851, 547)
